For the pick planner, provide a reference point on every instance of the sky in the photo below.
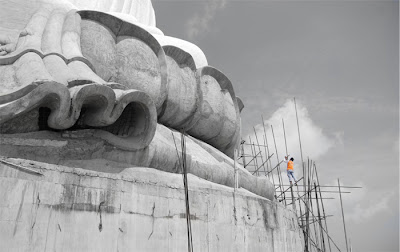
(340, 60)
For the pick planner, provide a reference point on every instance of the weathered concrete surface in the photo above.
(50, 42)
(79, 148)
(136, 209)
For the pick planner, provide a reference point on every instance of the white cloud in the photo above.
(360, 204)
(200, 23)
(314, 141)
(361, 213)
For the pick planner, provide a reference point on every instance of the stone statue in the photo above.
(86, 84)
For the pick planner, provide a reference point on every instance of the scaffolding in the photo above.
(305, 196)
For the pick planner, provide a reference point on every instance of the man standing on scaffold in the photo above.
(290, 172)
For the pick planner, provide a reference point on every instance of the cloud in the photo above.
(360, 204)
(314, 141)
(361, 213)
(200, 23)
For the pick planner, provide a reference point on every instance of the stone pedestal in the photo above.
(133, 209)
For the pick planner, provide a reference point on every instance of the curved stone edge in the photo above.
(131, 142)
(122, 28)
(196, 53)
(140, 10)
(180, 56)
(240, 103)
(225, 84)
(71, 34)
(66, 106)
(19, 93)
(12, 57)
(130, 19)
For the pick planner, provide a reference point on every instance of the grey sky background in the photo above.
(340, 59)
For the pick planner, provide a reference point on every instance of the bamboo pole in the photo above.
(288, 187)
(298, 129)
(344, 224)
(315, 228)
(253, 159)
(305, 209)
(301, 212)
(252, 152)
(243, 154)
(279, 170)
(267, 173)
(308, 198)
(276, 166)
(185, 181)
(284, 135)
(262, 161)
(256, 158)
(234, 170)
(322, 204)
(312, 189)
(293, 201)
(329, 237)
(319, 217)
(266, 146)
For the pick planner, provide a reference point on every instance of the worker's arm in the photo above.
(286, 159)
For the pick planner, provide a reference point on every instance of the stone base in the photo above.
(133, 209)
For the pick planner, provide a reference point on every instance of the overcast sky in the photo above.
(340, 59)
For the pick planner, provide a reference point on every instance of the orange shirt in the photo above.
(290, 165)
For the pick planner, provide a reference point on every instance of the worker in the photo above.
(290, 172)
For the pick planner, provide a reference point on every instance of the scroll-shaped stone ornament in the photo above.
(200, 101)
(78, 75)
(47, 70)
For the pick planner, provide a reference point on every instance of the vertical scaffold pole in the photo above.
(259, 149)
(279, 167)
(344, 224)
(267, 148)
(319, 218)
(235, 178)
(298, 130)
(243, 154)
(284, 135)
(323, 208)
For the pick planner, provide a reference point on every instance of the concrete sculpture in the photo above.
(93, 99)
(91, 74)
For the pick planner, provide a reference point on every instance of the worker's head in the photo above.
(291, 159)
